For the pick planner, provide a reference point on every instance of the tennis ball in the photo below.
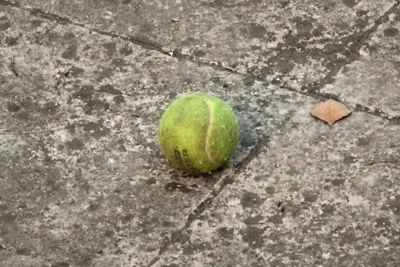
(198, 133)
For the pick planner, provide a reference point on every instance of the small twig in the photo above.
(383, 162)
(13, 67)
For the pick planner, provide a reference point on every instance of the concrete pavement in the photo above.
(83, 85)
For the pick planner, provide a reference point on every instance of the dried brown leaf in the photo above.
(330, 111)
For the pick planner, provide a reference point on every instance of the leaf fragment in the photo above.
(176, 19)
(330, 111)
(169, 51)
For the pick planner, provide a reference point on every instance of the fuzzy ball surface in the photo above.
(198, 133)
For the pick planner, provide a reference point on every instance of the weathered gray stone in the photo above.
(374, 79)
(292, 42)
(84, 83)
(315, 195)
(83, 181)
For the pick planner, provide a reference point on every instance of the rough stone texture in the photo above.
(294, 42)
(374, 80)
(83, 85)
(313, 196)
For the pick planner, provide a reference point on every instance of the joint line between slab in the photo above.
(149, 45)
(224, 182)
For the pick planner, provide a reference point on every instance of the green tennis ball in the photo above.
(198, 133)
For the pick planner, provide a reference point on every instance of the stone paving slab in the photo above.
(82, 179)
(297, 43)
(374, 79)
(314, 196)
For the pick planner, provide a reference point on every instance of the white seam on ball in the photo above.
(209, 129)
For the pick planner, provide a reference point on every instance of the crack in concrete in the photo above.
(224, 182)
(358, 107)
(353, 55)
(143, 42)
(314, 91)
(221, 185)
